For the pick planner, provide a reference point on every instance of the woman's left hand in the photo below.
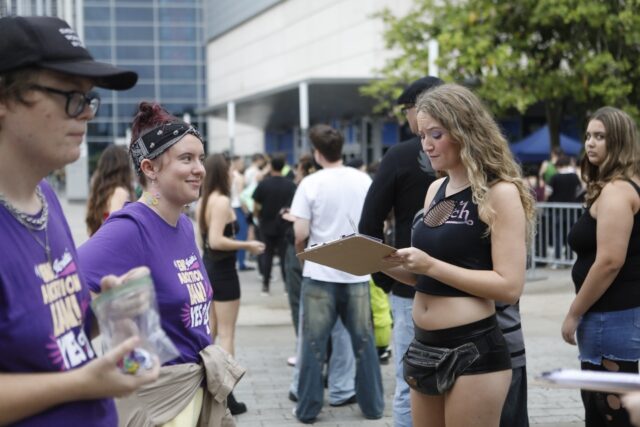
(411, 259)
(569, 327)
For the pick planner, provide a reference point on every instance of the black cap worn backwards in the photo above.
(49, 43)
(411, 93)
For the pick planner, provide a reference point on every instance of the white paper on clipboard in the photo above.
(613, 382)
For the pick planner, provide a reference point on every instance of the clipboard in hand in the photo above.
(612, 382)
(357, 254)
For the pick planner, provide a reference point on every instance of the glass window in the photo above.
(134, 14)
(172, 2)
(106, 110)
(178, 53)
(178, 34)
(178, 109)
(100, 53)
(139, 92)
(97, 33)
(134, 52)
(122, 127)
(178, 72)
(127, 109)
(93, 13)
(144, 71)
(99, 128)
(134, 34)
(183, 15)
(183, 91)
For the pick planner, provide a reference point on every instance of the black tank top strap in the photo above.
(636, 186)
(440, 194)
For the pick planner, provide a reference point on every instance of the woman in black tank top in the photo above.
(218, 225)
(605, 314)
(468, 250)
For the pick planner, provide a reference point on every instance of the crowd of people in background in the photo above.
(460, 211)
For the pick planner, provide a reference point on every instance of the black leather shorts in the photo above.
(435, 359)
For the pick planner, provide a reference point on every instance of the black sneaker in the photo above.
(235, 407)
(293, 397)
(349, 401)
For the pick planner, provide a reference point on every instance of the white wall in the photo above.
(298, 40)
(248, 140)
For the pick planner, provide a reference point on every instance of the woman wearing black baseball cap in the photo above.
(49, 373)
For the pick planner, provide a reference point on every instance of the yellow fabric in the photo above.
(188, 417)
(381, 315)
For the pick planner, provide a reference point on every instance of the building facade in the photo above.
(277, 67)
(162, 40)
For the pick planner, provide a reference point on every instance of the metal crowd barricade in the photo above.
(549, 244)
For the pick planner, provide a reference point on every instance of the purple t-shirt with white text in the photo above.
(135, 236)
(45, 313)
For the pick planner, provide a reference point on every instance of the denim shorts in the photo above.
(613, 335)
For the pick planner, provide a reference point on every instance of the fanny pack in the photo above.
(434, 370)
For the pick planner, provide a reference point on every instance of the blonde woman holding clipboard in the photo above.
(468, 251)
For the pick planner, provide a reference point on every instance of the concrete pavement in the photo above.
(265, 338)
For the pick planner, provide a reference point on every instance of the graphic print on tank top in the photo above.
(448, 211)
(452, 232)
(195, 313)
(61, 292)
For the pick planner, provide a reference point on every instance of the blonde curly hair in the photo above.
(484, 151)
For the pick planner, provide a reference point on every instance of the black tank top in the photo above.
(460, 240)
(624, 292)
(229, 231)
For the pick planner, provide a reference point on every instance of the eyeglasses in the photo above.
(406, 108)
(76, 101)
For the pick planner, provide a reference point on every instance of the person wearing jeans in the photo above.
(326, 302)
(323, 206)
(402, 336)
(341, 367)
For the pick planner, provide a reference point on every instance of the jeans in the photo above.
(402, 337)
(292, 281)
(323, 303)
(241, 235)
(342, 366)
(614, 335)
(514, 411)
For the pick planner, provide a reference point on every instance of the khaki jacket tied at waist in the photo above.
(157, 403)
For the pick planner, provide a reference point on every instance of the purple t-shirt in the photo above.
(134, 236)
(44, 313)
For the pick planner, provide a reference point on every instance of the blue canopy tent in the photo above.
(536, 147)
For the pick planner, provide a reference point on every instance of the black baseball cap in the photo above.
(48, 42)
(411, 93)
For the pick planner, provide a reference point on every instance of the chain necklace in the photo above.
(33, 223)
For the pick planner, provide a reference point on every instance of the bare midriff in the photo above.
(432, 312)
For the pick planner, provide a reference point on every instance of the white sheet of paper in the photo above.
(614, 382)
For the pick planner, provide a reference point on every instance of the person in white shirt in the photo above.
(325, 205)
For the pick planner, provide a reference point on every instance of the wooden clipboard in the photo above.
(357, 254)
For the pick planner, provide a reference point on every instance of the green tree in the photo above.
(572, 55)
